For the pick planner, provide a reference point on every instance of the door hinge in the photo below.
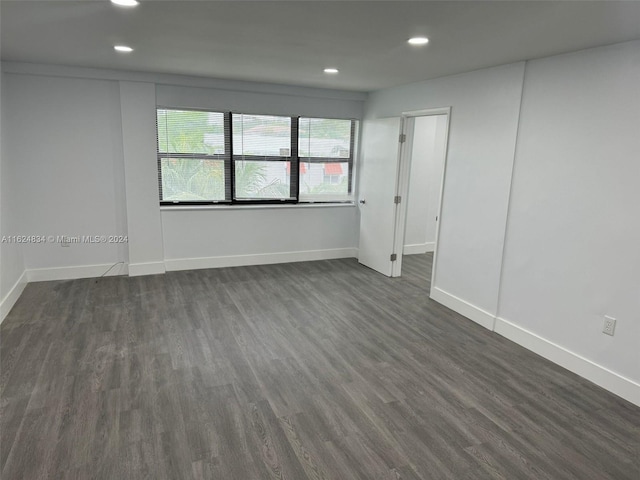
(393, 257)
(403, 138)
(397, 199)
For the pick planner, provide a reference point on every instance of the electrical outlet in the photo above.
(609, 325)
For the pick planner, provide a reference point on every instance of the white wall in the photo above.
(572, 252)
(484, 116)
(258, 235)
(138, 107)
(64, 140)
(422, 138)
(434, 173)
(427, 164)
(544, 272)
(297, 102)
(11, 258)
(84, 148)
(221, 237)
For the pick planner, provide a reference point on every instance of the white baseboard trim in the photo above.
(149, 268)
(464, 308)
(418, 248)
(12, 296)
(258, 259)
(72, 273)
(607, 379)
(602, 376)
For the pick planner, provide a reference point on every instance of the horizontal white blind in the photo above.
(193, 159)
(324, 138)
(265, 163)
(325, 147)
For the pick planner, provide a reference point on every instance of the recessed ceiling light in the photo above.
(330, 70)
(123, 48)
(418, 41)
(125, 3)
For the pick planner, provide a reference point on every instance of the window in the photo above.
(193, 156)
(213, 157)
(326, 159)
(263, 157)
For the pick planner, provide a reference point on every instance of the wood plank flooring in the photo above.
(318, 370)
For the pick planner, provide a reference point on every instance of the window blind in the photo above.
(194, 164)
(326, 159)
(264, 157)
(207, 157)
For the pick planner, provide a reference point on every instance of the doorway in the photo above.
(389, 146)
(421, 182)
(426, 165)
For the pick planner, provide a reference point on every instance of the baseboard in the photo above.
(12, 296)
(258, 259)
(602, 376)
(149, 268)
(154, 268)
(71, 273)
(611, 381)
(464, 308)
(418, 248)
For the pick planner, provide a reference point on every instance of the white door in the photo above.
(378, 185)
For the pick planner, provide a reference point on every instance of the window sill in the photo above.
(173, 208)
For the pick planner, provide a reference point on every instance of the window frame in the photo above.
(226, 157)
(348, 160)
(292, 159)
(229, 158)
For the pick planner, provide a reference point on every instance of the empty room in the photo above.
(341, 240)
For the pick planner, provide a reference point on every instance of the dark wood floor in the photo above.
(319, 370)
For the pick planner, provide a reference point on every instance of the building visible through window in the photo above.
(214, 157)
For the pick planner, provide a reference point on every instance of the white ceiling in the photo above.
(290, 42)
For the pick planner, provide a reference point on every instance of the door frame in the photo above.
(402, 186)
